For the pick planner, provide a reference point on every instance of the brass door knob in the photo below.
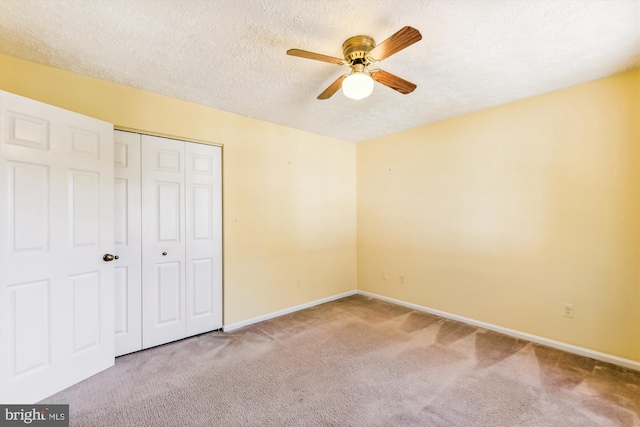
(109, 257)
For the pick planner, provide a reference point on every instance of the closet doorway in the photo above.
(168, 240)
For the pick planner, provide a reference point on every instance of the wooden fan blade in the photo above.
(394, 82)
(333, 88)
(403, 38)
(316, 56)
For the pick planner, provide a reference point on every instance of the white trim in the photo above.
(603, 357)
(268, 316)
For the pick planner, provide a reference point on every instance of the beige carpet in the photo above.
(356, 362)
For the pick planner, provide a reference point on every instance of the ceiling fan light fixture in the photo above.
(359, 52)
(357, 85)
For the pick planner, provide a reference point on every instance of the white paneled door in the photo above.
(163, 237)
(56, 225)
(181, 239)
(128, 244)
(203, 260)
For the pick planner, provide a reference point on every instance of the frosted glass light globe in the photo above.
(357, 86)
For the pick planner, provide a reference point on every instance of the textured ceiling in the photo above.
(230, 55)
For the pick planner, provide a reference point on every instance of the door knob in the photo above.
(164, 253)
(109, 257)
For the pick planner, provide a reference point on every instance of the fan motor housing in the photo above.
(357, 47)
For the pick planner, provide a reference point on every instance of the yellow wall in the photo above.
(292, 193)
(505, 214)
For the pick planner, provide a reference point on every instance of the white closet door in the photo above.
(204, 238)
(163, 237)
(56, 224)
(128, 243)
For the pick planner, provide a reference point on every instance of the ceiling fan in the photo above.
(360, 52)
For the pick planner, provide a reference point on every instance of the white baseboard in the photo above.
(603, 357)
(232, 326)
(581, 351)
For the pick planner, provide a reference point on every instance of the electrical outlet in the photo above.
(567, 310)
(403, 279)
(383, 275)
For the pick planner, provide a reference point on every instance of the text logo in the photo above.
(34, 415)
